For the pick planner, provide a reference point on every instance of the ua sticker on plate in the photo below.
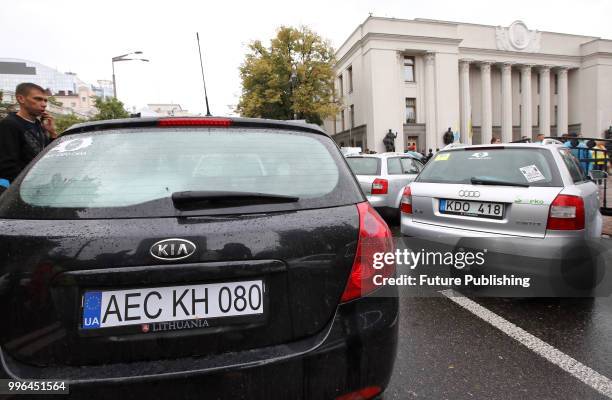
(442, 157)
(532, 173)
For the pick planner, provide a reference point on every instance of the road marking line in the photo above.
(580, 371)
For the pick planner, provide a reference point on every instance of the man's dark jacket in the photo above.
(20, 142)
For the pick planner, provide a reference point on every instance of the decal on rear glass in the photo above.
(532, 173)
(480, 156)
(71, 147)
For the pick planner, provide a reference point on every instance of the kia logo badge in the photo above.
(469, 193)
(172, 249)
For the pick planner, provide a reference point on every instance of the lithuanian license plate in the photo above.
(472, 208)
(105, 309)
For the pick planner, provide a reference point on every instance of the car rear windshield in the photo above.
(364, 165)
(134, 172)
(523, 166)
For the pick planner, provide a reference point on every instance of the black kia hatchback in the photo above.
(195, 258)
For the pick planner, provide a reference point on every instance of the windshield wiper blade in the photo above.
(485, 181)
(188, 198)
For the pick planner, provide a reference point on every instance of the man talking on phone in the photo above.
(25, 133)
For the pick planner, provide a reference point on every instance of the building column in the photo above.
(506, 98)
(526, 121)
(562, 102)
(486, 127)
(545, 100)
(466, 105)
(430, 102)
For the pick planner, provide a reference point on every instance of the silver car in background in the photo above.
(383, 177)
(531, 204)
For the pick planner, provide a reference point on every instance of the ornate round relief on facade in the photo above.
(519, 35)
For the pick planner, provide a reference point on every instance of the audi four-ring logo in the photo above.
(469, 193)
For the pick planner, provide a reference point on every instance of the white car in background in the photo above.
(383, 177)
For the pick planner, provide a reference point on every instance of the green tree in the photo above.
(293, 77)
(110, 108)
(63, 122)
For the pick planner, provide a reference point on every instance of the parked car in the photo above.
(206, 256)
(532, 200)
(383, 177)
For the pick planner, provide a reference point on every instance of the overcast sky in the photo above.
(82, 36)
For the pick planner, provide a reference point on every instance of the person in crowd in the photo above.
(579, 150)
(428, 156)
(495, 140)
(600, 154)
(25, 133)
(539, 138)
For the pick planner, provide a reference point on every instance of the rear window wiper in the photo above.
(215, 198)
(485, 181)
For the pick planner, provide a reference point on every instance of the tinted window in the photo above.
(393, 166)
(143, 167)
(572, 164)
(531, 166)
(401, 166)
(410, 166)
(364, 165)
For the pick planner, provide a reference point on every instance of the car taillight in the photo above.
(566, 213)
(406, 202)
(361, 394)
(380, 186)
(374, 238)
(194, 122)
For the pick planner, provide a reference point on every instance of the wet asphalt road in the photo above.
(447, 352)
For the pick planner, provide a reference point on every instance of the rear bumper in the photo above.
(380, 200)
(357, 349)
(556, 265)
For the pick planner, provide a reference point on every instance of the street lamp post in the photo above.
(123, 58)
(292, 81)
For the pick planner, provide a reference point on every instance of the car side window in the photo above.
(394, 167)
(410, 166)
(572, 165)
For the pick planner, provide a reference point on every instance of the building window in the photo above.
(340, 86)
(408, 69)
(410, 110)
(556, 83)
(350, 78)
(342, 120)
(352, 111)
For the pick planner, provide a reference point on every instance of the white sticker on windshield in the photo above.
(532, 173)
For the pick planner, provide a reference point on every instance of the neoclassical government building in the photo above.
(420, 77)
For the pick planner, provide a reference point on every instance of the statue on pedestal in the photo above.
(389, 141)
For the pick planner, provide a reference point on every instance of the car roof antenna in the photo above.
(203, 80)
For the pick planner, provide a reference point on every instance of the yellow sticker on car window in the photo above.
(442, 157)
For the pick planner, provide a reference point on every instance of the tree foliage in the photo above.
(109, 108)
(270, 91)
(63, 122)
